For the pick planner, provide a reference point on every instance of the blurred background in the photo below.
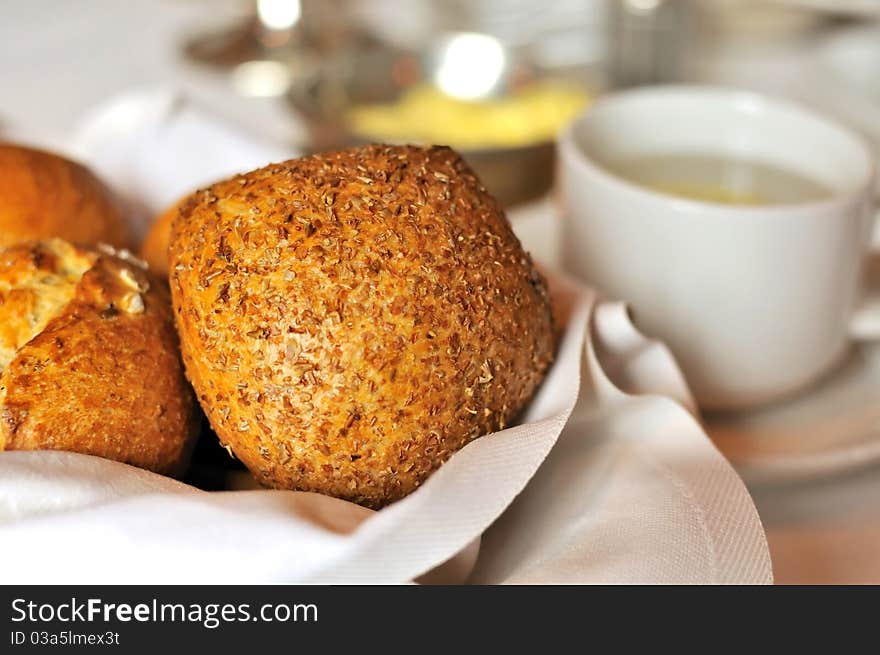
(497, 79)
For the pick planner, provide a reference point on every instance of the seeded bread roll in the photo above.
(89, 358)
(43, 195)
(350, 320)
(154, 249)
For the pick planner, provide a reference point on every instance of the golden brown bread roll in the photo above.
(43, 195)
(154, 249)
(350, 320)
(89, 358)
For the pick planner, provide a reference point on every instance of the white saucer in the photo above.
(832, 427)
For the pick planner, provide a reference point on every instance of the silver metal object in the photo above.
(275, 41)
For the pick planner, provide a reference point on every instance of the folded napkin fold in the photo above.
(633, 492)
(73, 518)
(154, 147)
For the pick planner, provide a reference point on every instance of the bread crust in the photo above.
(350, 320)
(104, 376)
(154, 249)
(43, 195)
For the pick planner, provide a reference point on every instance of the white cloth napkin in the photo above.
(634, 491)
(154, 147)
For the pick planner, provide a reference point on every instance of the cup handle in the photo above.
(865, 322)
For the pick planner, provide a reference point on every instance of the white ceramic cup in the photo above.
(755, 301)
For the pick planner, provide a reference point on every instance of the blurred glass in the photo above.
(496, 79)
(276, 42)
(562, 33)
(648, 41)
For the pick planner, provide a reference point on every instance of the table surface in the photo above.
(64, 57)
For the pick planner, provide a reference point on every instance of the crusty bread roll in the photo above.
(154, 249)
(43, 195)
(89, 358)
(350, 320)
